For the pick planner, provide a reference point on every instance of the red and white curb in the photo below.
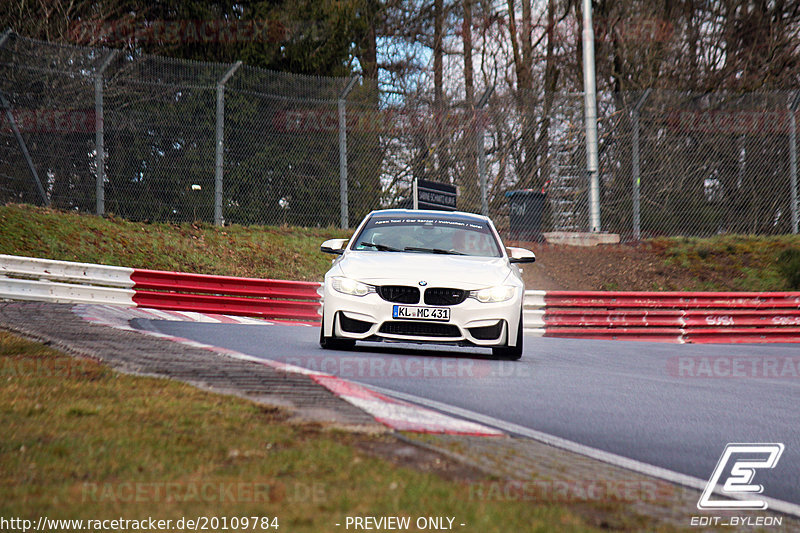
(118, 317)
(396, 414)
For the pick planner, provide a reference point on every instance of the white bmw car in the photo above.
(424, 277)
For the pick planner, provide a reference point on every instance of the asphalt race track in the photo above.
(633, 399)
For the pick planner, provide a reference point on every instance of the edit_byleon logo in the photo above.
(744, 460)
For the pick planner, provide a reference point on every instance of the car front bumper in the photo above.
(470, 322)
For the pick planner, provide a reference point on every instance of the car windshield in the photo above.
(425, 234)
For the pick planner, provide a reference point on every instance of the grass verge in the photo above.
(731, 262)
(251, 251)
(84, 442)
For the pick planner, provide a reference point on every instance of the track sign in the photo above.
(433, 195)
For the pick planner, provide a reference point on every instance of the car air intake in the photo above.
(420, 329)
(443, 296)
(487, 333)
(400, 294)
(352, 325)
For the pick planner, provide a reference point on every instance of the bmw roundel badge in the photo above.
(423, 283)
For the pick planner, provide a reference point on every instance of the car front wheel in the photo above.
(333, 343)
(511, 353)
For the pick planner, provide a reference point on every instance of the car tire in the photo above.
(333, 343)
(511, 353)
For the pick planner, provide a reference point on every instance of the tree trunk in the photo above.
(440, 145)
(523, 59)
(470, 190)
(550, 84)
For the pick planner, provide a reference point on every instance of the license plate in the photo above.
(421, 313)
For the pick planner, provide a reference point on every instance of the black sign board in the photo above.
(433, 195)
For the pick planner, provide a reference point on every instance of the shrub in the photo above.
(789, 267)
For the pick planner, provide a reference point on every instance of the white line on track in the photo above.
(581, 449)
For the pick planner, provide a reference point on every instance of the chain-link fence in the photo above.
(707, 164)
(152, 138)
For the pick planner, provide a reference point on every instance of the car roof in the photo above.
(441, 215)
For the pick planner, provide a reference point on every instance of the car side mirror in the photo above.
(333, 246)
(520, 255)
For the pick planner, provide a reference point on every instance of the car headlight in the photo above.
(351, 286)
(501, 293)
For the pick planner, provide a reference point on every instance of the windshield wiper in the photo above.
(379, 247)
(433, 250)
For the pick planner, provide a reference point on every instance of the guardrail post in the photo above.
(793, 159)
(218, 218)
(344, 216)
(482, 149)
(100, 151)
(637, 220)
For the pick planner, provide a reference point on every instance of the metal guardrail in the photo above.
(696, 317)
(26, 278)
(683, 317)
(267, 298)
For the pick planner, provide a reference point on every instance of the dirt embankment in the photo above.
(612, 267)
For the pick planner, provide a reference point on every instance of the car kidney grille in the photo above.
(400, 294)
(420, 329)
(443, 296)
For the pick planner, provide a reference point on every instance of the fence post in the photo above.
(482, 149)
(100, 151)
(218, 219)
(637, 220)
(344, 215)
(793, 159)
(590, 105)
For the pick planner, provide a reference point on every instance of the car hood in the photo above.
(436, 270)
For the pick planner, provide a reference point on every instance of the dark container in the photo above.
(526, 207)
